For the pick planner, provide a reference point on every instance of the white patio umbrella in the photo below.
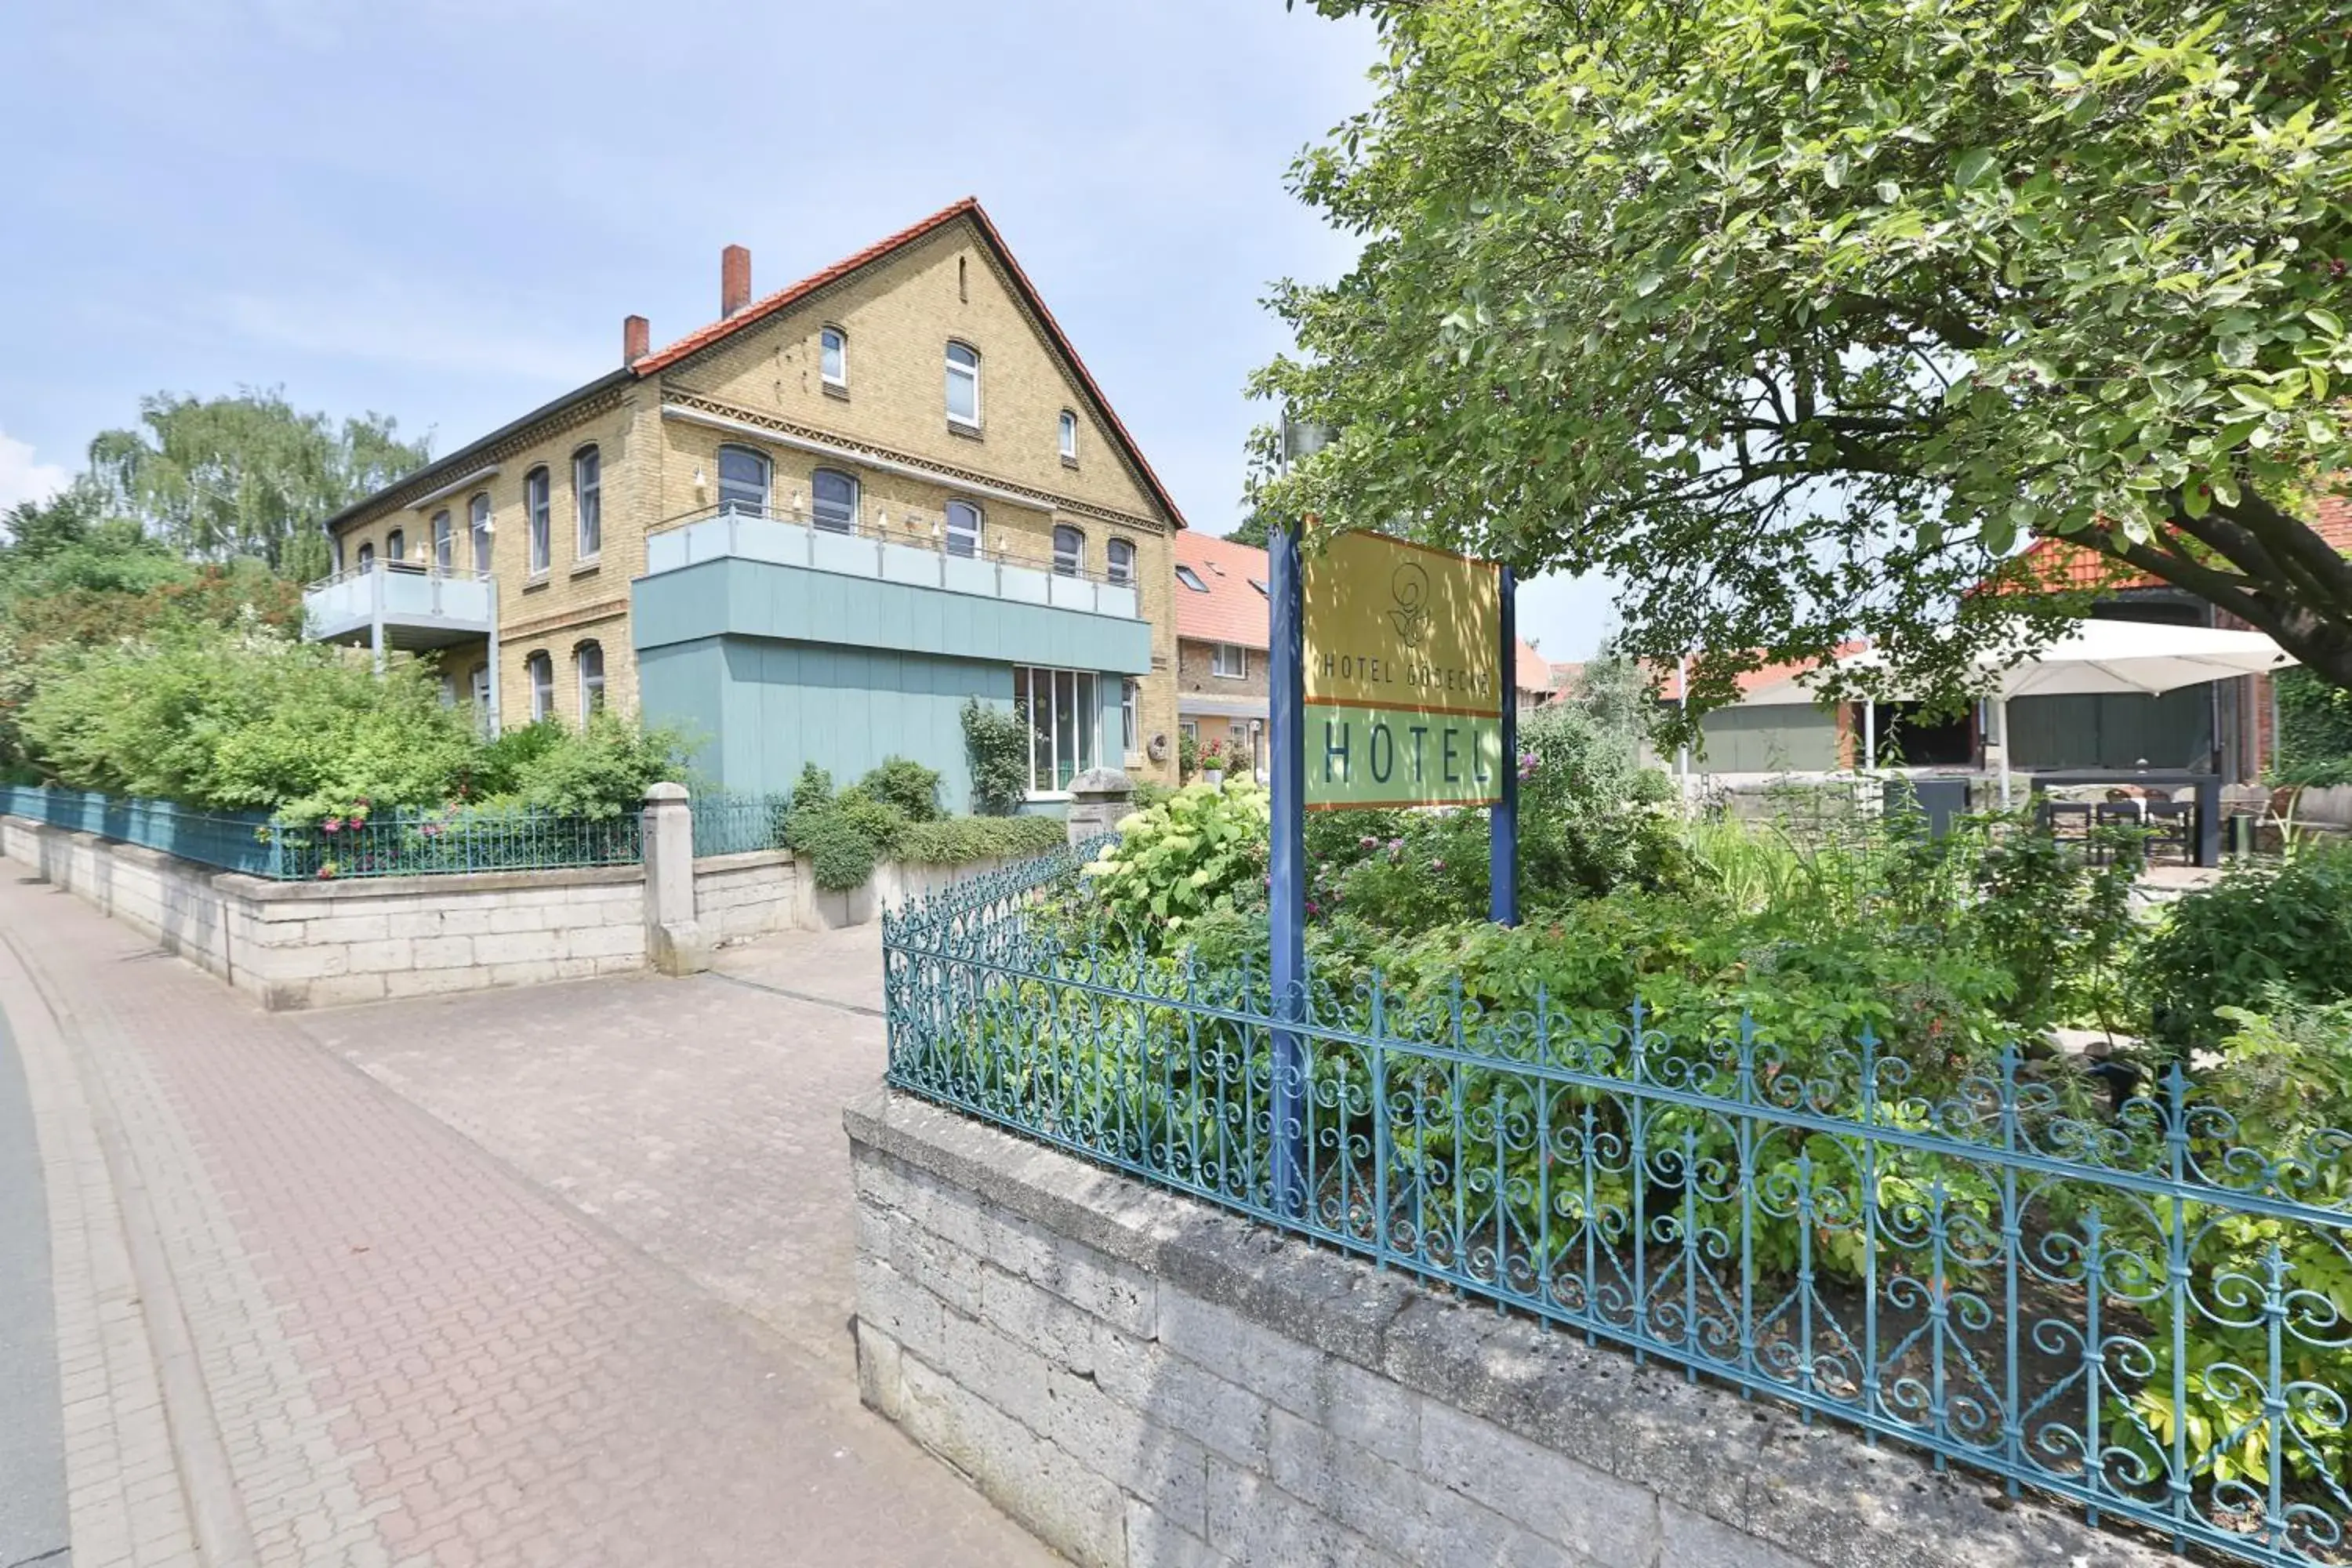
(2095, 659)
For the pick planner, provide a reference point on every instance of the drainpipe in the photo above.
(376, 614)
(493, 716)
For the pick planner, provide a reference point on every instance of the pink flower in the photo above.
(333, 825)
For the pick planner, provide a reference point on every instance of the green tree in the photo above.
(248, 475)
(1797, 317)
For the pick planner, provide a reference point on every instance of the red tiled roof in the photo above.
(1231, 610)
(768, 305)
(2062, 564)
(1234, 611)
(1670, 681)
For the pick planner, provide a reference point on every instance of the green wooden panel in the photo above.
(2120, 731)
(1791, 739)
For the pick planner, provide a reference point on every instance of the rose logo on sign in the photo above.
(1410, 585)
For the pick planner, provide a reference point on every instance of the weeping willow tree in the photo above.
(249, 475)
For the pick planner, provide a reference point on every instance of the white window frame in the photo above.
(1046, 782)
(1077, 558)
(396, 545)
(1070, 435)
(833, 346)
(970, 372)
(588, 504)
(954, 536)
(1118, 562)
(445, 546)
(1235, 667)
(767, 480)
(857, 501)
(591, 688)
(539, 671)
(538, 499)
(367, 555)
(477, 529)
(1130, 717)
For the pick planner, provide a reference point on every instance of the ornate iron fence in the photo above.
(378, 844)
(2143, 1308)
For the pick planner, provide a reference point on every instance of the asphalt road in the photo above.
(32, 1442)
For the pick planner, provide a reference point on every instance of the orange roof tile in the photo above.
(1228, 607)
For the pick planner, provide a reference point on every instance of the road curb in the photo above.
(224, 1537)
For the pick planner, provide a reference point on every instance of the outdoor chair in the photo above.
(2067, 819)
(2124, 813)
(2172, 825)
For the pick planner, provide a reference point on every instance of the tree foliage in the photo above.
(248, 475)
(1797, 317)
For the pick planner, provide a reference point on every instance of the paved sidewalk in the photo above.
(519, 1335)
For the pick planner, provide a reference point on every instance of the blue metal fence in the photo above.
(233, 840)
(729, 824)
(377, 844)
(2143, 1311)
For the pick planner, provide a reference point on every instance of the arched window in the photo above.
(590, 656)
(539, 670)
(588, 502)
(335, 554)
(534, 509)
(832, 501)
(444, 547)
(1069, 552)
(743, 482)
(367, 557)
(963, 528)
(1119, 560)
(963, 385)
(477, 524)
(833, 357)
(396, 545)
(1070, 436)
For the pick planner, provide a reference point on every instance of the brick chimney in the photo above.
(637, 339)
(734, 279)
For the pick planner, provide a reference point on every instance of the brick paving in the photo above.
(562, 1276)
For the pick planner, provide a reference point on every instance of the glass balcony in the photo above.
(417, 606)
(913, 556)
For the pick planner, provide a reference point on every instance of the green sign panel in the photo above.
(1360, 756)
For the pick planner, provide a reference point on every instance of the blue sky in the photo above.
(441, 209)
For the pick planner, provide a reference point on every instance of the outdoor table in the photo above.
(2208, 786)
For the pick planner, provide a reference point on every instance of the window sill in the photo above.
(589, 568)
(837, 389)
(1070, 463)
(1216, 675)
(535, 582)
(1045, 796)
(968, 432)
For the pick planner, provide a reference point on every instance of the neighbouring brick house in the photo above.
(811, 530)
(1222, 628)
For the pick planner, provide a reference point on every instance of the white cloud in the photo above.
(21, 478)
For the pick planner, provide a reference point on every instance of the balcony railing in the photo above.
(419, 604)
(917, 556)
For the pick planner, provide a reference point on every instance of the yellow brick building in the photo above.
(811, 530)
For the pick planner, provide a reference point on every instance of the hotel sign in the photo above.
(1404, 688)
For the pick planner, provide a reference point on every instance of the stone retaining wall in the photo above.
(1143, 1380)
(315, 944)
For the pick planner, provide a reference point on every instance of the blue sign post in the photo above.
(1503, 857)
(1287, 727)
(1287, 776)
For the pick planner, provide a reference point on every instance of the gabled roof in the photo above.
(467, 456)
(1229, 607)
(1231, 610)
